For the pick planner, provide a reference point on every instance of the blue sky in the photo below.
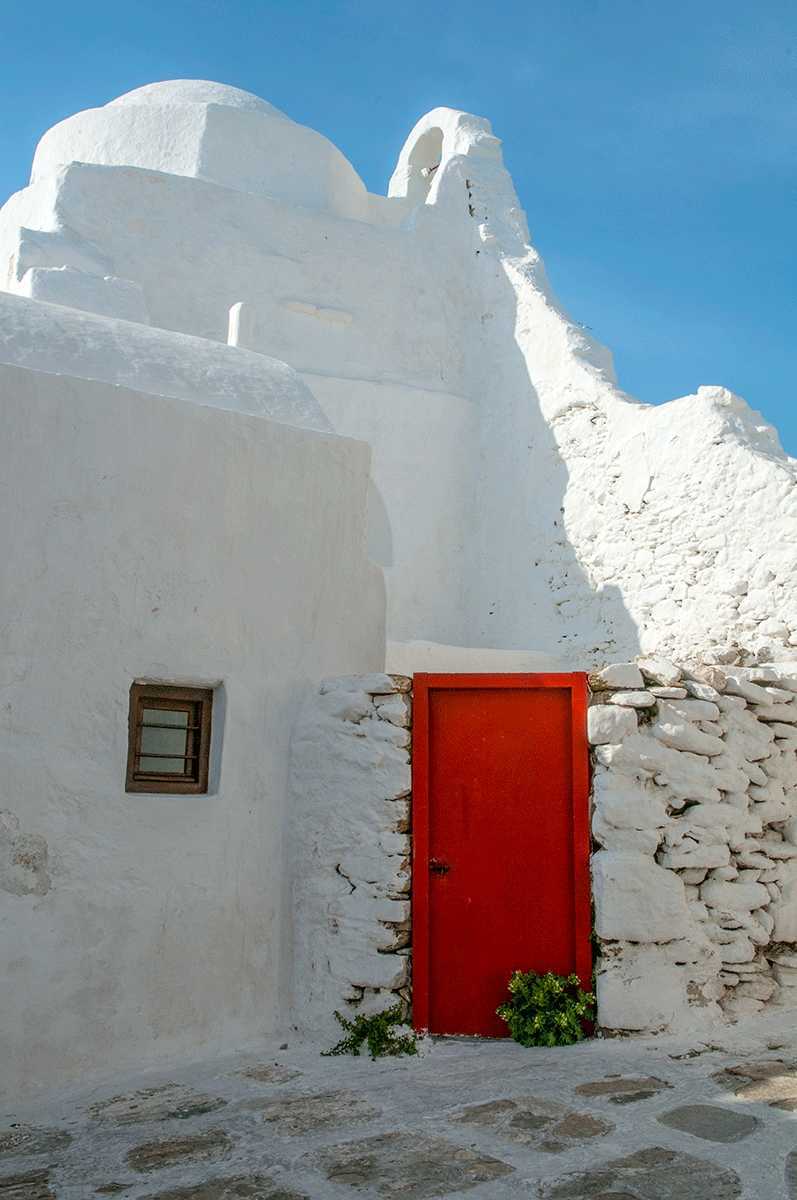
(653, 145)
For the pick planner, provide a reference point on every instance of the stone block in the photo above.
(736, 897)
(695, 855)
(777, 713)
(679, 734)
(376, 684)
(641, 841)
(628, 804)
(640, 991)
(638, 699)
(759, 987)
(737, 685)
(608, 725)
(700, 690)
(636, 900)
(394, 709)
(784, 912)
(621, 675)
(660, 671)
(695, 710)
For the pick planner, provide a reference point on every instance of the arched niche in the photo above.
(423, 162)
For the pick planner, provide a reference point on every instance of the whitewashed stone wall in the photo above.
(695, 823)
(350, 847)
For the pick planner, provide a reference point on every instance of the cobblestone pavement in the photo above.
(607, 1120)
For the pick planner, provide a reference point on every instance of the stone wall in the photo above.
(695, 823)
(350, 848)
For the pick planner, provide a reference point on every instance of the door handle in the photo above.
(437, 867)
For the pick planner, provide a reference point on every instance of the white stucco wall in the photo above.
(61, 341)
(150, 538)
(387, 364)
(521, 501)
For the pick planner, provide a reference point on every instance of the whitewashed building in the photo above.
(264, 427)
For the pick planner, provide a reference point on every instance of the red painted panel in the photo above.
(500, 841)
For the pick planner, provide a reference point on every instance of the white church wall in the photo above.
(105, 295)
(211, 132)
(385, 362)
(63, 341)
(676, 528)
(150, 538)
(340, 297)
(689, 510)
(567, 518)
(430, 483)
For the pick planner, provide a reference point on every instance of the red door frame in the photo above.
(423, 684)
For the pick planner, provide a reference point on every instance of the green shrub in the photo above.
(546, 1010)
(378, 1032)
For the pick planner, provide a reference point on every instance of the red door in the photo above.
(500, 841)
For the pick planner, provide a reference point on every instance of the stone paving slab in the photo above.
(190, 1147)
(710, 1122)
(26, 1139)
(543, 1124)
(155, 1104)
(29, 1185)
(295, 1115)
(652, 1174)
(405, 1166)
(790, 1176)
(623, 1091)
(772, 1082)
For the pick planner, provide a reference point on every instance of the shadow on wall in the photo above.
(528, 589)
(380, 532)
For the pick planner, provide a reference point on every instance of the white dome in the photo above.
(213, 132)
(196, 91)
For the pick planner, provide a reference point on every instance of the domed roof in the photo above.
(209, 131)
(196, 91)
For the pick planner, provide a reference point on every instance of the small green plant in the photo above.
(378, 1031)
(546, 1010)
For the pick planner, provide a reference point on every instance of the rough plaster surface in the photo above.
(519, 499)
(694, 810)
(150, 538)
(60, 341)
(350, 848)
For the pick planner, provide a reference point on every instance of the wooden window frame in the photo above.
(198, 701)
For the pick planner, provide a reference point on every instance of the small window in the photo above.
(169, 739)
